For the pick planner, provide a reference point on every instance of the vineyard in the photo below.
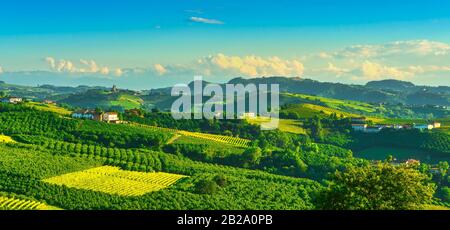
(113, 180)
(7, 203)
(239, 142)
(235, 141)
(24, 120)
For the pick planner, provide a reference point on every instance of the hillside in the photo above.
(104, 99)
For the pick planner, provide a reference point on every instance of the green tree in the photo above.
(206, 187)
(3, 94)
(443, 168)
(377, 187)
(252, 156)
(316, 129)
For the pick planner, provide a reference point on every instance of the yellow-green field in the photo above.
(9, 203)
(339, 104)
(49, 108)
(284, 125)
(113, 180)
(6, 139)
(435, 207)
(234, 141)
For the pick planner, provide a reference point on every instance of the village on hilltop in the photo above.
(359, 124)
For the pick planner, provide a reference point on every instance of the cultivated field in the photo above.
(235, 141)
(8, 203)
(285, 125)
(49, 108)
(113, 180)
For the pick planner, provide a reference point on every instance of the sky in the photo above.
(149, 44)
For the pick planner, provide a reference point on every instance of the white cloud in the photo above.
(411, 47)
(118, 72)
(338, 71)
(221, 65)
(376, 71)
(161, 70)
(252, 66)
(1, 70)
(84, 66)
(206, 20)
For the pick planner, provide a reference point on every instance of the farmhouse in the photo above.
(423, 126)
(12, 100)
(111, 117)
(87, 114)
(373, 129)
(412, 162)
(436, 124)
(359, 127)
(49, 102)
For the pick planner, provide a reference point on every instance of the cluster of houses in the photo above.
(11, 100)
(359, 124)
(109, 117)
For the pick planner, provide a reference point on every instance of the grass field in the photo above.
(6, 139)
(354, 106)
(127, 102)
(381, 153)
(113, 180)
(10, 203)
(285, 125)
(306, 111)
(49, 108)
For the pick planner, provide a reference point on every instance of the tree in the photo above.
(443, 168)
(444, 193)
(206, 187)
(316, 129)
(377, 187)
(3, 94)
(252, 156)
(390, 158)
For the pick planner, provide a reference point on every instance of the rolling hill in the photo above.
(104, 99)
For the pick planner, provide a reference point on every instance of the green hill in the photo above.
(104, 99)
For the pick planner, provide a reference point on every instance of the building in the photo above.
(412, 162)
(359, 120)
(398, 126)
(12, 100)
(111, 117)
(114, 89)
(87, 114)
(359, 127)
(373, 129)
(424, 126)
(436, 124)
(48, 102)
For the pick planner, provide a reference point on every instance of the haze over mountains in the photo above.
(385, 91)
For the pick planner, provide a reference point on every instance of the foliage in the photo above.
(377, 187)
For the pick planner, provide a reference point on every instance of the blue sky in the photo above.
(145, 44)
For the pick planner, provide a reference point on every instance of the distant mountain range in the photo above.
(385, 91)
